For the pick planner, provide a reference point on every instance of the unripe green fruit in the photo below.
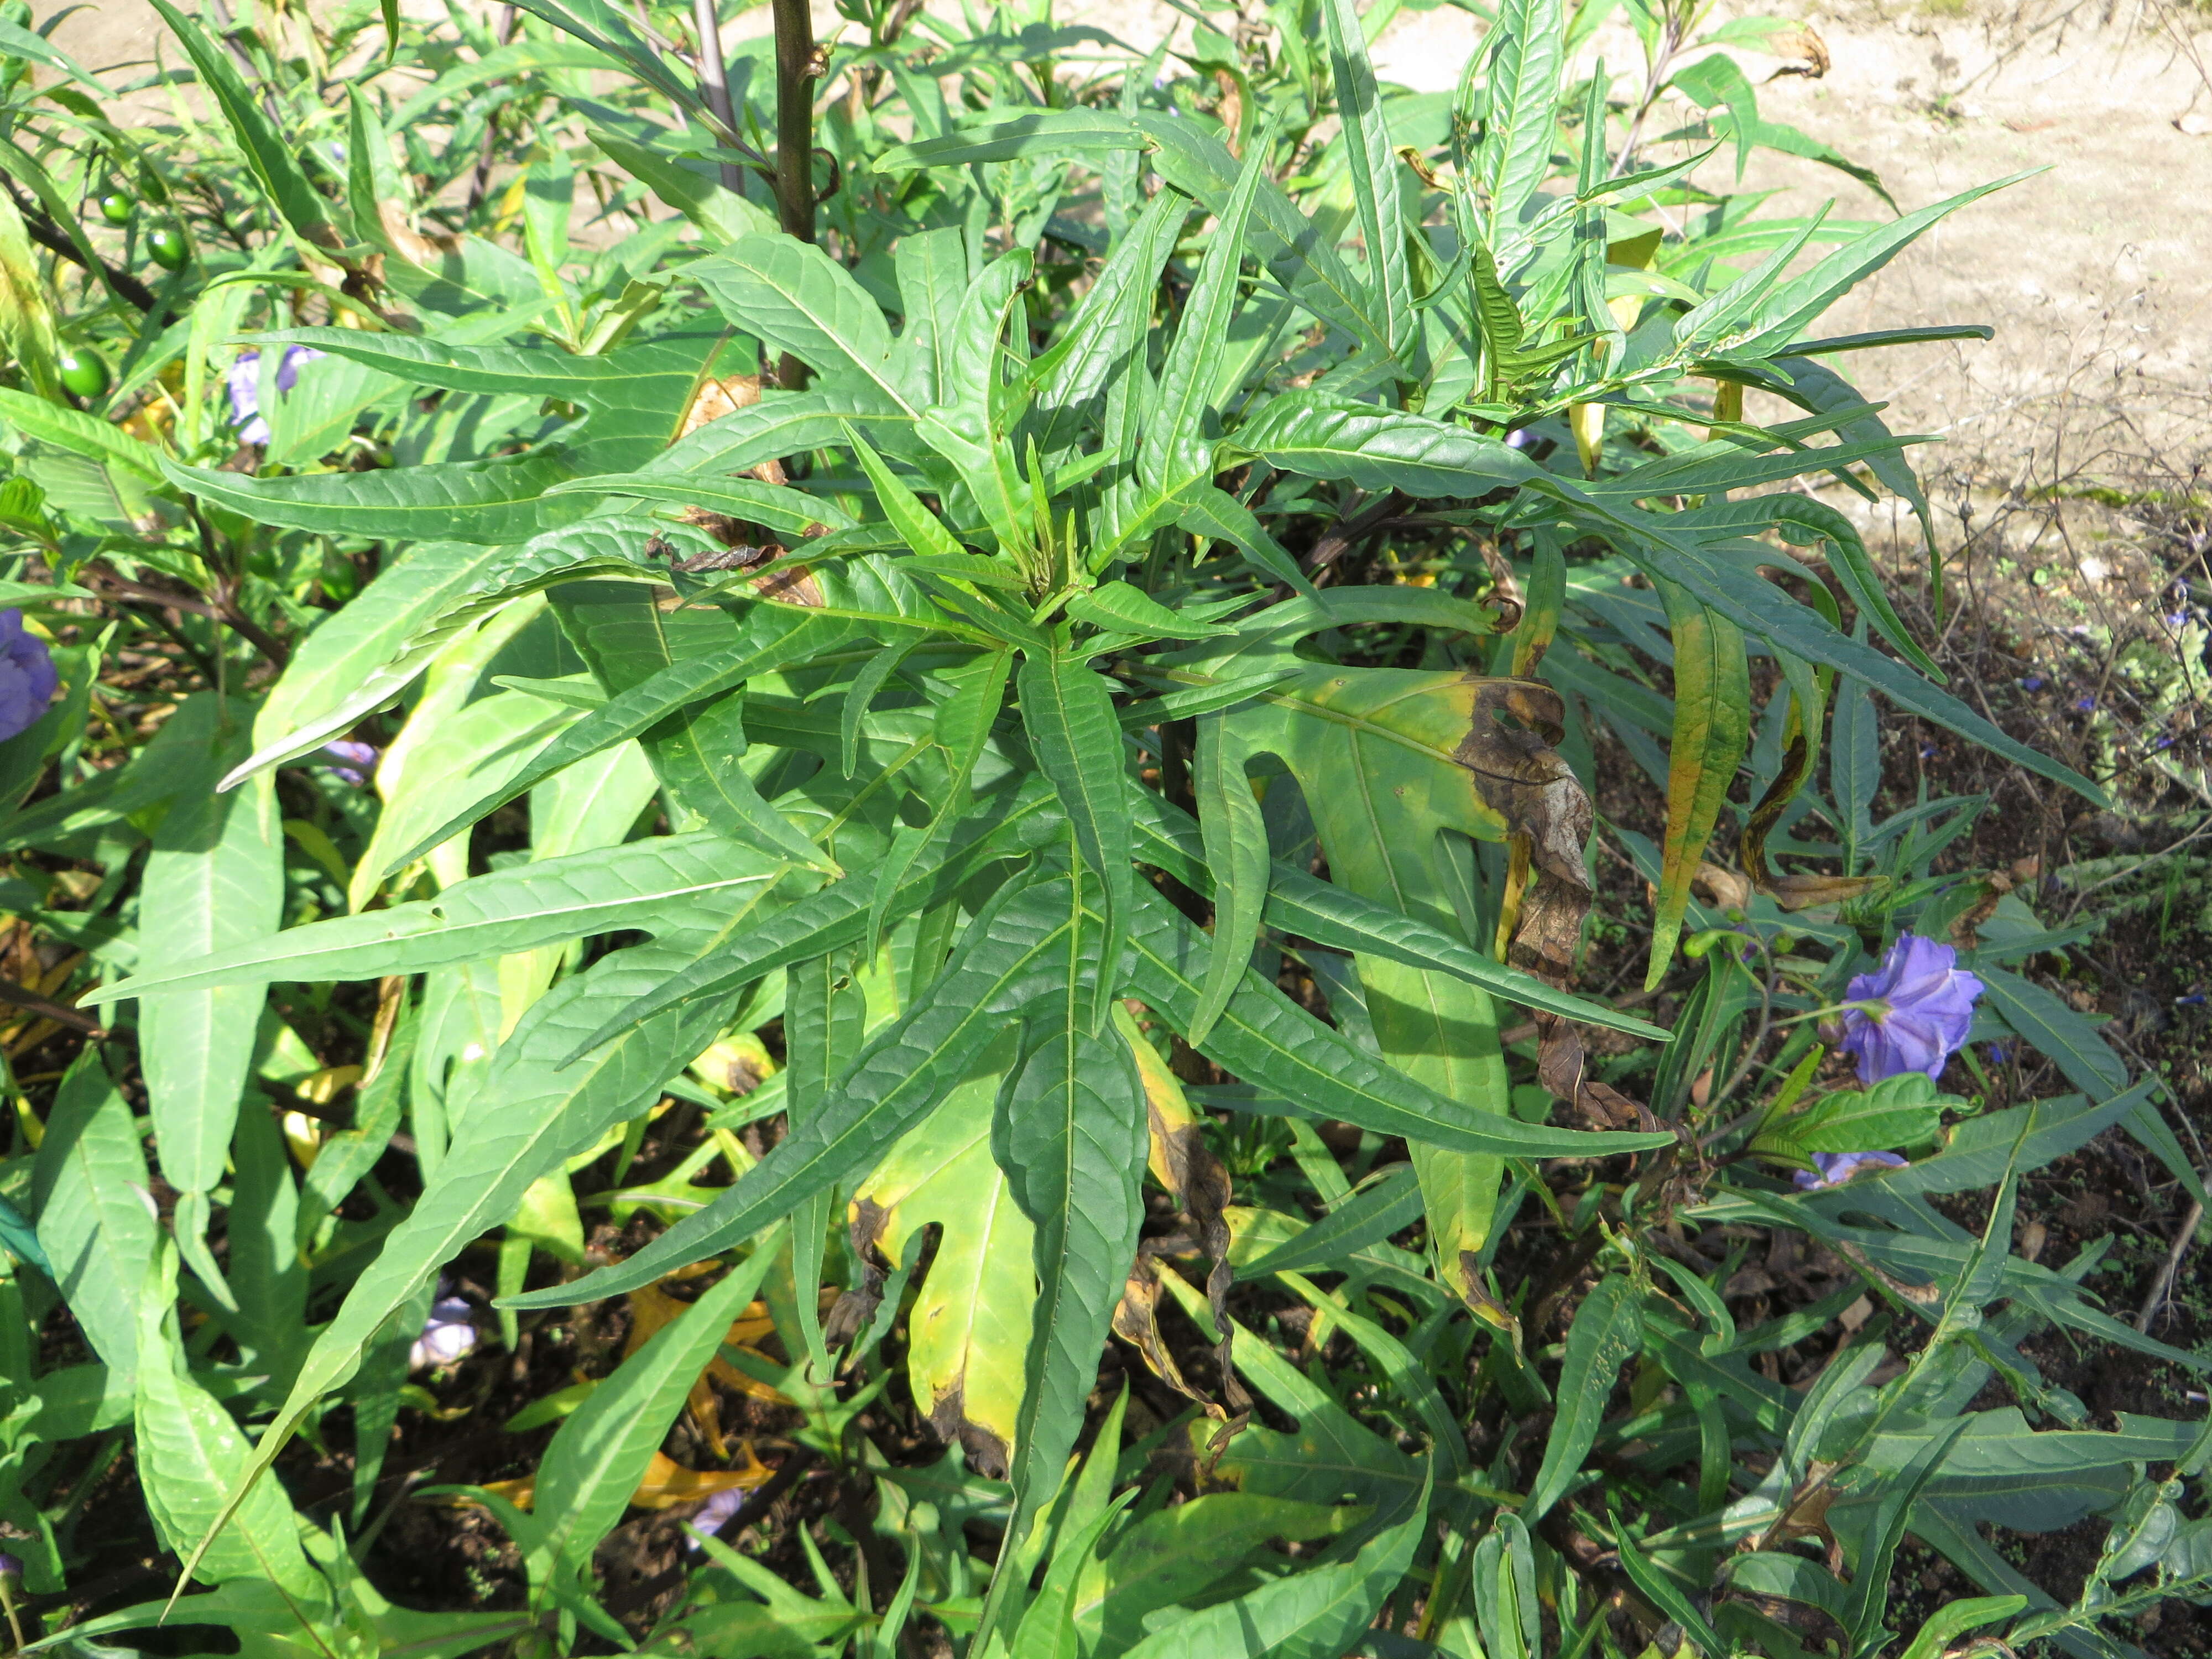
(167, 248)
(116, 208)
(84, 374)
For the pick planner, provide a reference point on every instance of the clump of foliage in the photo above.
(1009, 641)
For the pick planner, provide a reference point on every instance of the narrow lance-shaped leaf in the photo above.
(188, 1448)
(1319, 1613)
(1712, 723)
(1005, 963)
(649, 885)
(1373, 166)
(272, 159)
(1521, 121)
(549, 1110)
(604, 1450)
(95, 1221)
(213, 882)
(1268, 1040)
(1236, 836)
(775, 636)
(839, 915)
(1070, 1136)
(1607, 1334)
(824, 1024)
(1175, 449)
(1069, 715)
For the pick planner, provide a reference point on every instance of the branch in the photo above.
(48, 234)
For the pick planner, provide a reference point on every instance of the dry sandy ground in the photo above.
(2097, 274)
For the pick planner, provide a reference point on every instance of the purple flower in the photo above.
(243, 381)
(716, 1513)
(1837, 1168)
(449, 1335)
(27, 677)
(2033, 683)
(354, 761)
(2084, 704)
(1920, 1005)
(2178, 619)
(9, 1566)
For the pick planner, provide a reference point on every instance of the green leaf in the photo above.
(1377, 448)
(825, 1016)
(1174, 1555)
(797, 299)
(1007, 961)
(2064, 1038)
(1391, 1205)
(503, 500)
(1904, 1110)
(836, 917)
(1068, 714)
(1947, 1623)
(1048, 1629)
(1664, 1593)
(1800, 299)
(1520, 122)
(916, 524)
(549, 1111)
(271, 156)
(1175, 449)
(1236, 846)
(1712, 725)
(774, 636)
(188, 1453)
(96, 1223)
(1607, 1334)
(932, 279)
(214, 880)
(601, 26)
(1268, 1040)
(666, 883)
(80, 434)
(1071, 1136)
(1758, 607)
(1319, 1613)
(639, 395)
(603, 1450)
(1373, 168)
(1109, 324)
(1123, 609)
(352, 652)
(693, 189)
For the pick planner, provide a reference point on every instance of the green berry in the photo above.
(84, 374)
(115, 207)
(167, 248)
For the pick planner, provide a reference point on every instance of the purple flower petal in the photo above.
(355, 760)
(449, 1335)
(1836, 1168)
(242, 380)
(28, 676)
(716, 1513)
(288, 365)
(11, 1567)
(1922, 1007)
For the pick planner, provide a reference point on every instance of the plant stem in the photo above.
(794, 117)
(794, 140)
(707, 26)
